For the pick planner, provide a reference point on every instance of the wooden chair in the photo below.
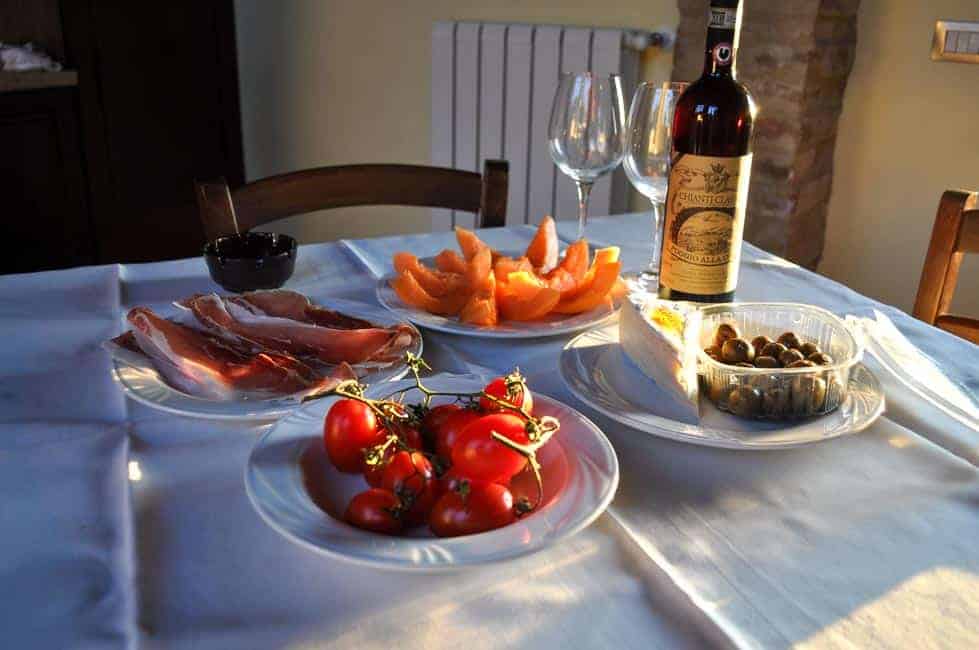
(955, 233)
(275, 197)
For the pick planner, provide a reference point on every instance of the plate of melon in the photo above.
(479, 291)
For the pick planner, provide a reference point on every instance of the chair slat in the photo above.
(969, 234)
(967, 328)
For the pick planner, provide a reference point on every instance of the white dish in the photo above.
(140, 380)
(581, 474)
(596, 370)
(549, 326)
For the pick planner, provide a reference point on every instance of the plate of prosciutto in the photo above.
(255, 355)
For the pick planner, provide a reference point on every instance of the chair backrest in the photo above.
(956, 232)
(275, 197)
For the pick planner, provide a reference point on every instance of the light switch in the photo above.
(956, 41)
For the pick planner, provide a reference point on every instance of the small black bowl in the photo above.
(251, 260)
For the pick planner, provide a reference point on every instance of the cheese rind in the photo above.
(661, 338)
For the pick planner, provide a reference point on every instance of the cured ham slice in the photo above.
(241, 321)
(296, 306)
(207, 366)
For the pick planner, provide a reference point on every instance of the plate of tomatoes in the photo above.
(433, 474)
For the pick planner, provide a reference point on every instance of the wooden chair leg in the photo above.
(493, 201)
(941, 266)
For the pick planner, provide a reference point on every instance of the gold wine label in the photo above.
(705, 208)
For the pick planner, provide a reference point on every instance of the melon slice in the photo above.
(590, 297)
(450, 262)
(411, 292)
(543, 248)
(435, 283)
(525, 297)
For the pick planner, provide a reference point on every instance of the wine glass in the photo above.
(647, 158)
(586, 132)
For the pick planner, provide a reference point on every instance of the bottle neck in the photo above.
(723, 32)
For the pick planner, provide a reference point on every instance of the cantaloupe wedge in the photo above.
(450, 262)
(561, 281)
(504, 266)
(480, 307)
(602, 256)
(575, 260)
(411, 292)
(435, 283)
(479, 273)
(597, 291)
(469, 243)
(543, 249)
(525, 297)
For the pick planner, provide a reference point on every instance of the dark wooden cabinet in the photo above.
(155, 108)
(43, 193)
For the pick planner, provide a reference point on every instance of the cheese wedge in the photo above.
(662, 339)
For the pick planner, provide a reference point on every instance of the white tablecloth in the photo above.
(866, 541)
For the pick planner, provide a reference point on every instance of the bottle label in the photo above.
(705, 207)
(722, 18)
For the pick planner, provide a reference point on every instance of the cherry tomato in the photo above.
(376, 510)
(477, 455)
(498, 388)
(374, 474)
(471, 508)
(411, 478)
(434, 420)
(410, 437)
(448, 433)
(350, 428)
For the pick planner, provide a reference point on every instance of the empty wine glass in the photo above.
(647, 158)
(587, 131)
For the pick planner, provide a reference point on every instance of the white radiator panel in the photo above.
(492, 89)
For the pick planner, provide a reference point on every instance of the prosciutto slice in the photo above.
(241, 321)
(204, 365)
(296, 306)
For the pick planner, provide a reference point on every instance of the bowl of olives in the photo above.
(775, 361)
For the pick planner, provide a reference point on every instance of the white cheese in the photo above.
(662, 339)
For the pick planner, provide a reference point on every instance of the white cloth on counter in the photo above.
(19, 58)
(863, 541)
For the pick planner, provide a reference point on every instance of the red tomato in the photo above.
(497, 388)
(434, 419)
(373, 474)
(410, 437)
(452, 426)
(411, 478)
(477, 455)
(484, 506)
(376, 510)
(350, 428)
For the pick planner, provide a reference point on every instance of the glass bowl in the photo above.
(251, 260)
(778, 393)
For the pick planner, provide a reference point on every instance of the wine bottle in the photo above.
(709, 173)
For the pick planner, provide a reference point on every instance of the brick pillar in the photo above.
(795, 57)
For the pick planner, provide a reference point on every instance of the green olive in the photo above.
(789, 357)
(766, 362)
(801, 363)
(737, 350)
(759, 343)
(821, 359)
(790, 340)
(745, 401)
(773, 350)
(724, 332)
(817, 398)
(776, 403)
(713, 352)
(809, 349)
(718, 392)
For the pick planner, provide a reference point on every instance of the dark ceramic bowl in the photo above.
(251, 260)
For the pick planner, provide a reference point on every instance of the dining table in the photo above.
(125, 526)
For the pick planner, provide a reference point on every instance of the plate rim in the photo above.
(390, 564)
(718, 443)
(275, 408)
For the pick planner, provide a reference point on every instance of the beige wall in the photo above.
(327, 82)
(909, 130)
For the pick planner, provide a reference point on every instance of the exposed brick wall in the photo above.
(795, 56)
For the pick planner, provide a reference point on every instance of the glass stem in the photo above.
(584, 191)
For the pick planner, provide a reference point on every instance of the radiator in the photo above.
(492, 89)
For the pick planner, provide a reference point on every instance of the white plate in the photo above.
(580, 473)
(140, 380)
(596, 370)
(550, 326)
